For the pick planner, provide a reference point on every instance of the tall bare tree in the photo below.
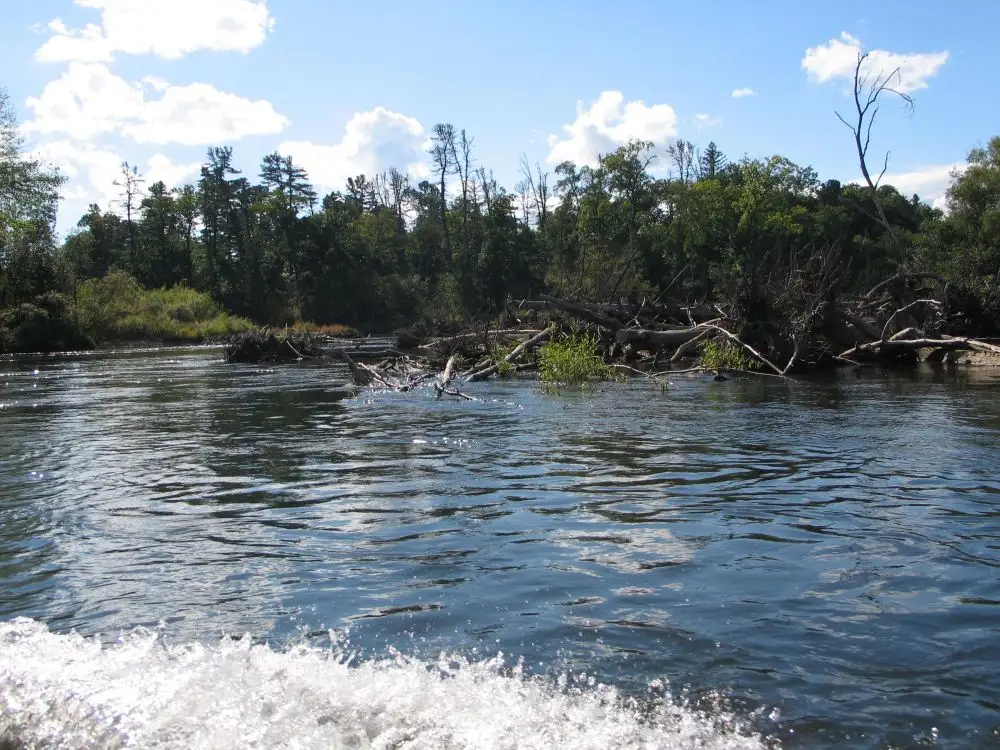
(869, 87)
(682, 154)
(392, 188)
(130, 184)
(442, 153)
(538, 182)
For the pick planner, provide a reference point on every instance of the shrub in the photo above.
(43, 325)
(117, 308)
(337, 330)
(496, 357)
(572, 361)
(725, 355)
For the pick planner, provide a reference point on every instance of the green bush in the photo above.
(117, 308)
(725, 355)
(43, 325)
(572, 360)
(496, 357)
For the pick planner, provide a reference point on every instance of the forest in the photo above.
(765, 236)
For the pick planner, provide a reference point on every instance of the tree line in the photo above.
(388, 250)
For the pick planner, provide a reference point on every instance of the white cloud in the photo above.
(167, 28)
(707, 121)
(372, 142)
(930, 183)
(199, 114)
(155, 83)
(607, 124)
(740, 93)
(92, 171)
(162, 169)
(837, 58)
(88, 99)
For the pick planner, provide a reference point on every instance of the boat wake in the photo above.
(67, 691)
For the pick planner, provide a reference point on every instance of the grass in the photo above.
(336, 330)
(497, 354)
(725, 355)
(117, 308)
(572, 360)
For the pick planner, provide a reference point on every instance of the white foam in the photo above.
(66, 691)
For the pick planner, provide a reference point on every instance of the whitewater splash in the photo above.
(67, 691)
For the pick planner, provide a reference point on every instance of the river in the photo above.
(195, 554)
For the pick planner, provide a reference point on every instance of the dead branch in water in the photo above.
(486, 372)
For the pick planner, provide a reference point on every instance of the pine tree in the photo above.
(713, 162)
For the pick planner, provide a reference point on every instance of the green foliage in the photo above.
(725, 355)
(43, 325)
(497, 354)
(572, 360)
(117, 308)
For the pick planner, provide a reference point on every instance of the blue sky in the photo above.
(349, 87)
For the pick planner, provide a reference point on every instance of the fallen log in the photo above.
(449, 342)
(442, 391)
(690, 344)
(582, 312)
(910, 344)
(486, 372)
(906, 311)
(359, 354)
(670, 338)
(363, 375)
(753, 352)
(449, 372)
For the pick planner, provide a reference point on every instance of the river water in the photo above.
(195, 554)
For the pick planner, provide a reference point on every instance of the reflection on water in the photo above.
(828, 548)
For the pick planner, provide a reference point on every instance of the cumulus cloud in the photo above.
(162, 169)
(930, 183)
(837, 58)
(167, 28)
(88, 99)
(92, 171)
(608, 123)
(372, 142)
(707, 121)
(740, 93)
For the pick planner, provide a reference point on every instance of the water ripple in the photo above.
(829, 547)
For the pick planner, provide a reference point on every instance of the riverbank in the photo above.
(899, 323)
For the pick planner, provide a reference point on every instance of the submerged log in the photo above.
(583, 312)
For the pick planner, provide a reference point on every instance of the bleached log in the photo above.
(535, 340)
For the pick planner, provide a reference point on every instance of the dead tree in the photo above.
(538, 182)
(442, 150)
(130, 183)
(867, 91)
(682, 154)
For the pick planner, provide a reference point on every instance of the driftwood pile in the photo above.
(404, 372)
(908, 318)
(267, 346)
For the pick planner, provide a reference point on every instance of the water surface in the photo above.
(813, 564)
